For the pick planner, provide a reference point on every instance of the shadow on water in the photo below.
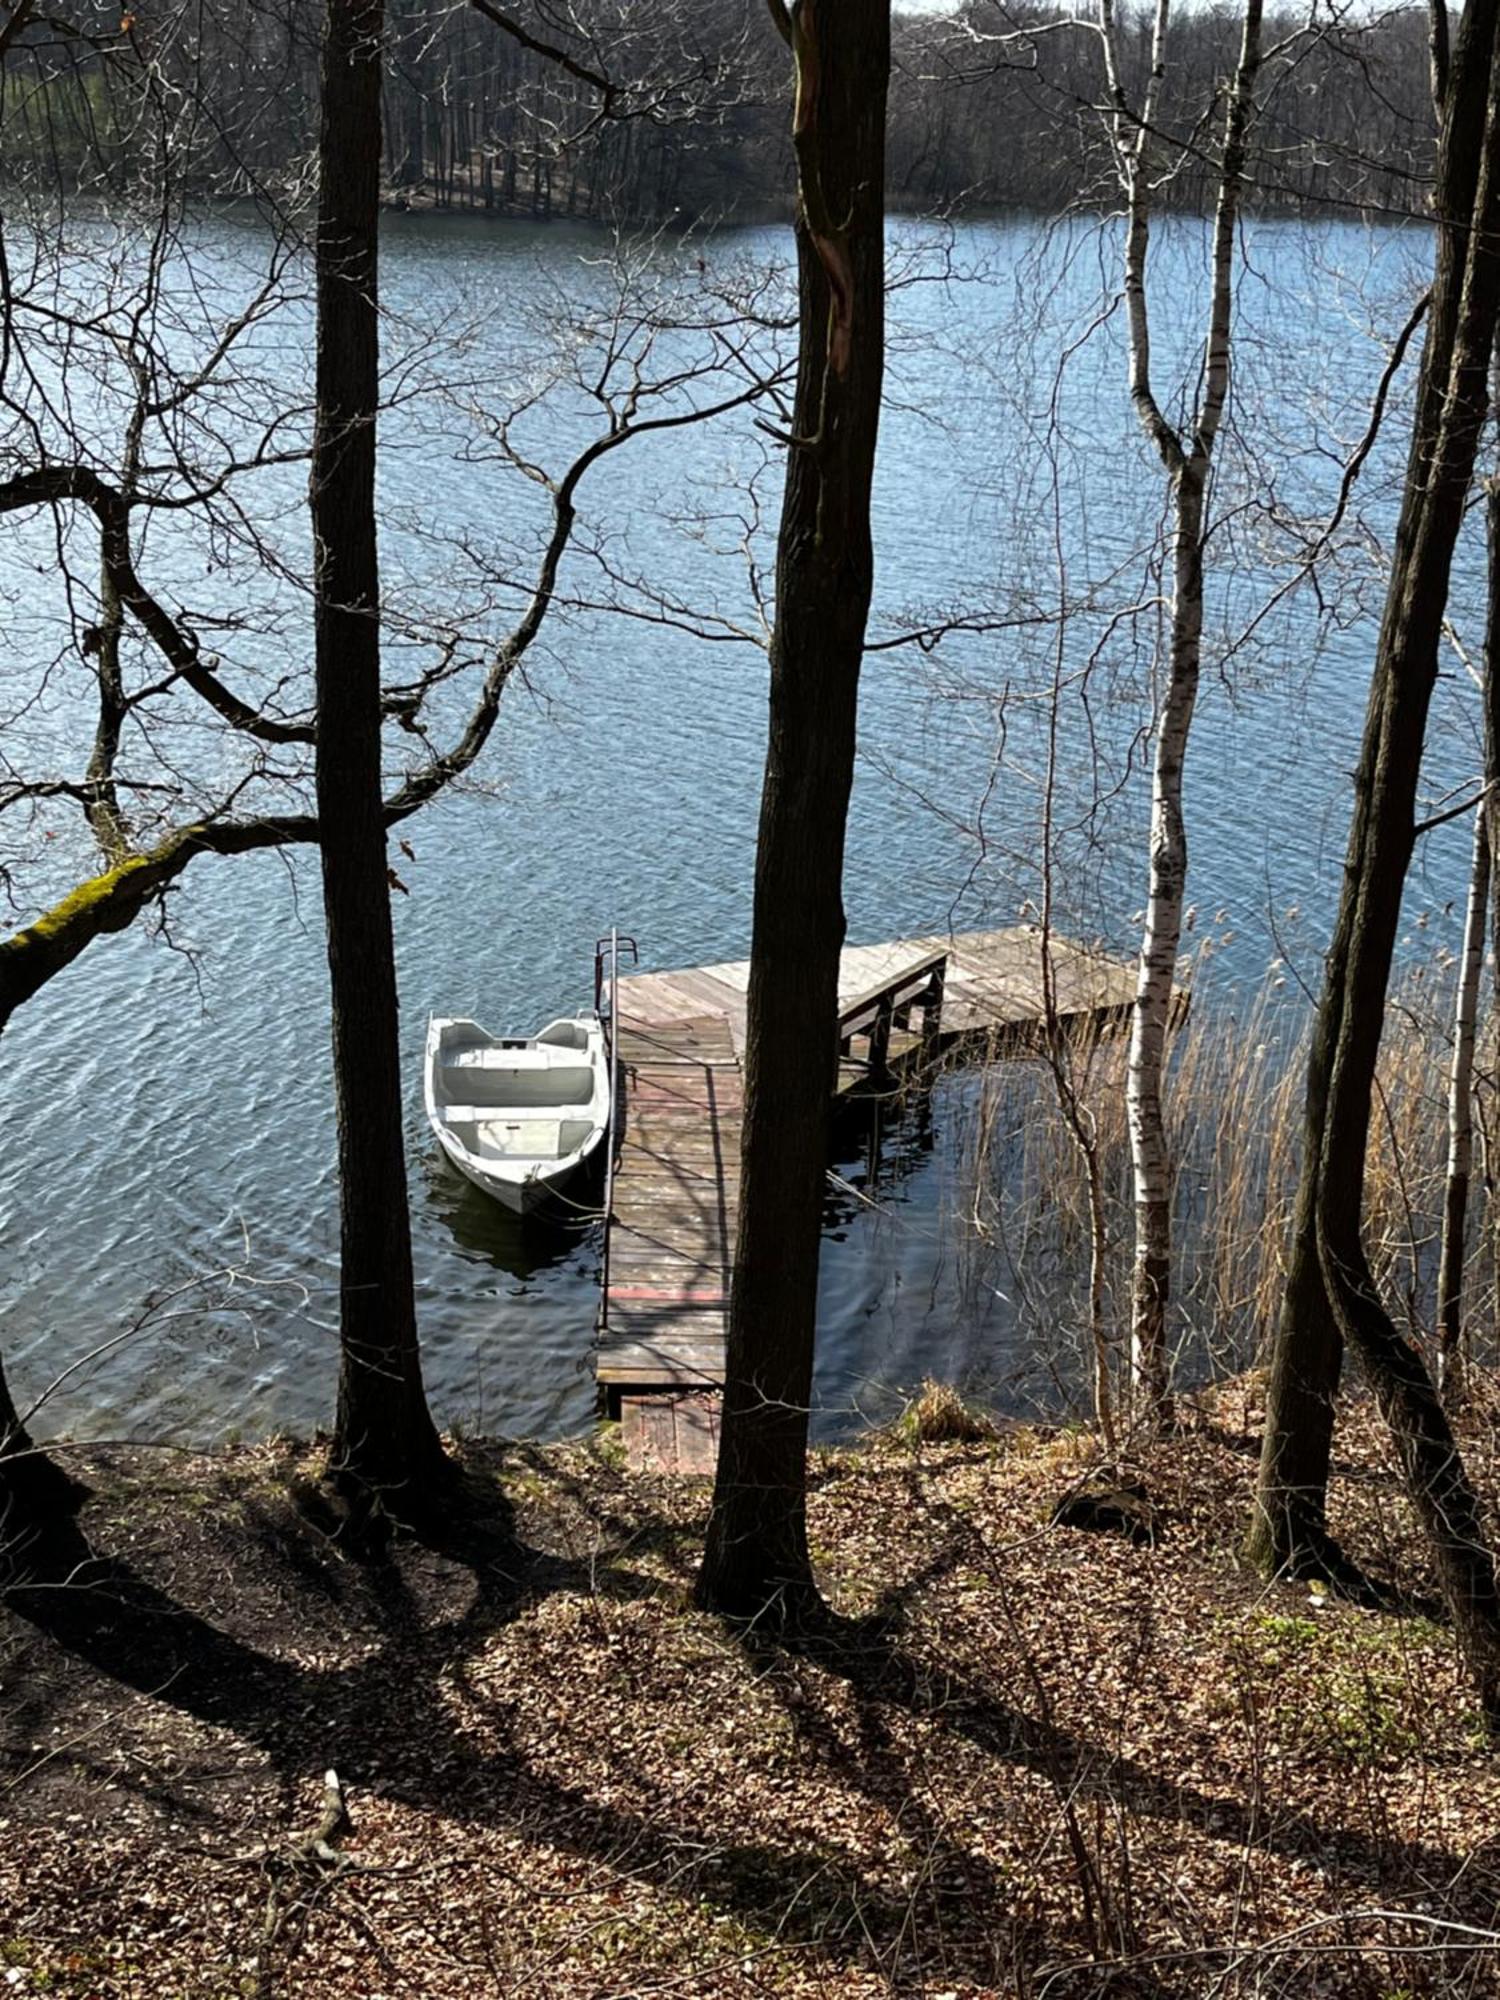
(559, 1233)
(878, 1146)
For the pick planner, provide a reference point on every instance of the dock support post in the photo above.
(880, 1042)
(932, 1010)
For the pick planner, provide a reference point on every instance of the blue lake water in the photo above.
(167, 1104)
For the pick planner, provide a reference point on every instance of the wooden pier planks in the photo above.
(676, 1184)
(676, 1193)
(994, 979)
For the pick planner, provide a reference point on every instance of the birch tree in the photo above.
(1461, 1110)
(1187, 455)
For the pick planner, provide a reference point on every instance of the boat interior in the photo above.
(511, 1099)
(489, 1136)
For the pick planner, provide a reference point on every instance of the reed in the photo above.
(1235, 1118)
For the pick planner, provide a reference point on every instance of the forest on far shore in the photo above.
(990, 106)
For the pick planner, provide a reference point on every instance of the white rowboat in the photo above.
(518, 1116)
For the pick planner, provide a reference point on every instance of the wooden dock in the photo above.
(669, 1235)
(676, 1193)
(993, 981)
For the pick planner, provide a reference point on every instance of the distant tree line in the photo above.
(993, 105)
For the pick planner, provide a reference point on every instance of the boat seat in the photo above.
(490, 1114)
(551, 1057)
(504, 1136)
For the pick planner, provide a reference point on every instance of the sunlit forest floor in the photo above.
(1024, 1760)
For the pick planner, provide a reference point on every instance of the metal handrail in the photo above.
(610, 1019)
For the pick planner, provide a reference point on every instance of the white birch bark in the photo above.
(1187, 462)
(1461, 1112)
(1150, 1154)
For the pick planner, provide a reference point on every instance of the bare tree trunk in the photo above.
(1461, 1114)
(384, 1436)
(35, 1493)
(1063, 1064)
(1452, 402)
(756, 1559)
(1489, 686)
(1289, 1524)
(1188, 460)
(1150, 1153)
(1288, 1528)
(1083, 1132)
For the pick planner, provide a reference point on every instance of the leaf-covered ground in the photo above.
(1028, 1761)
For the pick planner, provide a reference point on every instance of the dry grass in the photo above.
(938, 1414)
(1235, 1109)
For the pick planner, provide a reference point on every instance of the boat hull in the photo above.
(519, 1117)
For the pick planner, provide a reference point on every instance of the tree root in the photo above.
(298, 1876)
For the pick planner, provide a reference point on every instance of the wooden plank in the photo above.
(647, 1344)
(675, 1432)
(696, 1037)
(646, 1206)
(645, 1319)
(709, 1041)
(694, 1111)
(704, 1289)
(649, 1430)
(716, 1162)
(645, 1358)
(640, 1291)
(651, 1235)
(697, 1141)
(663, 1268)
(659, 1344)
(692, 1138)
(711, 1248)
(682, 1289)
(697, 1433)
(641, 1235)
(700, 1246)
(702, 1243)
(707, 1120)
(706, 1251)
(645, 1375)
(688, 1085)
(677, 1178)
(643, 1227)
(701, 1235)
(684, 1272)
(688, 1088)
(707, 1185)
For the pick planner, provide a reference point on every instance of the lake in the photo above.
(167, 1105)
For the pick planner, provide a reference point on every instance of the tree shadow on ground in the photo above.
(385, 1720)
(385, 1724)
(884, 1675)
